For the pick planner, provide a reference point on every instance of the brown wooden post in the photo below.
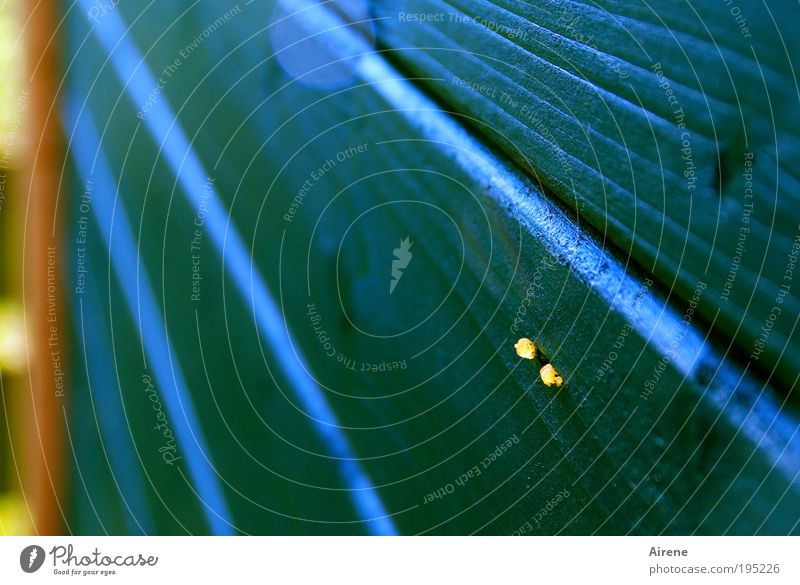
(43, 481)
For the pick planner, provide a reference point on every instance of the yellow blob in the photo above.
(550, 376)
(525, 348)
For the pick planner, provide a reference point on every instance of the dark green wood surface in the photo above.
(709, 449)
(643, 119)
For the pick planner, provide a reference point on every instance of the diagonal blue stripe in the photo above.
(166, 131)
(116, 442)
(112, 219)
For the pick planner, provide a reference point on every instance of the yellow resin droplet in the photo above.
(550, 376)
(525, 348)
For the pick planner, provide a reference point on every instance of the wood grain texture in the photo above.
(708, 450)
(644, 120)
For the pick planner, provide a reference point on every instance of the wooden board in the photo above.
(656, 428)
